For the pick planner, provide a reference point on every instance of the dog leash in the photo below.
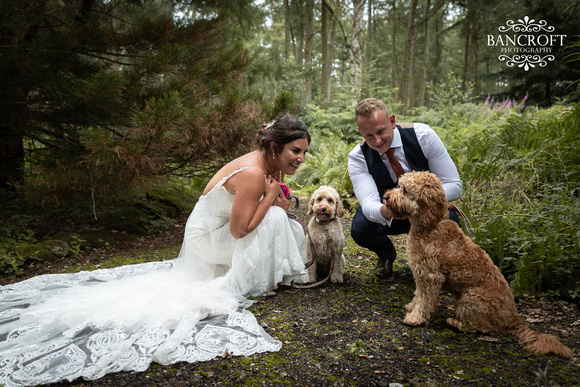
(308, 264)
(466, 222)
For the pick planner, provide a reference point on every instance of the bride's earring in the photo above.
(273, 156)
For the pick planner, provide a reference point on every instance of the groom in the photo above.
(387, 151)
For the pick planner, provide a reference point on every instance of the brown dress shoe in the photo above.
(386, 271)
(384, 268)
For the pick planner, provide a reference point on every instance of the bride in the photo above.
(238, 243)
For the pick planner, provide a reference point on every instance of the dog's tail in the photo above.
(541, 343)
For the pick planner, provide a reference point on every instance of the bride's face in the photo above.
(293, 154)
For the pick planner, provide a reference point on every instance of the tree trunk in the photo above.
(368, 56)
(369, 32)
(474, 50)
(330, 59)
(168, 9)
(394, 47)
(299, 6)
(308, 54)
(403, 80)
(411, 75)
(466, 54)
(11, 157)
(354, 52)
(425, 58)
(287, 37)
(324, 80)
(116, 24)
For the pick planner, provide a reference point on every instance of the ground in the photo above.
(353, 334)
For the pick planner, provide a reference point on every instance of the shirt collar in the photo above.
(397, 142)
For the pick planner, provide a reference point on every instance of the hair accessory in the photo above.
(270, 124)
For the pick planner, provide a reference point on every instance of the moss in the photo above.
(221, 366)
(22, 250)
(44, 251)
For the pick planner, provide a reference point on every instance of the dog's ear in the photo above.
(339, 207)
(310, 204)
(433, 204)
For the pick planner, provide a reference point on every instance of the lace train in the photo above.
(43, 347)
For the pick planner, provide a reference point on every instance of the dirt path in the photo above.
(353, 334)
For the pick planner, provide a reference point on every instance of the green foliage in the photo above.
(521, 179)
(449, 91)
(357, 348)
(285, 103)
(334, 134)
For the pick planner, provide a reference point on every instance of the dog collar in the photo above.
(325, 222)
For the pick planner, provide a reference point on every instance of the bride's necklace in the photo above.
(268, 168)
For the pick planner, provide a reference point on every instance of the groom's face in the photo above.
(377, 130)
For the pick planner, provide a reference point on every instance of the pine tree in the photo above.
(102, 94)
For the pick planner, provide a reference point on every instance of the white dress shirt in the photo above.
(440, 163)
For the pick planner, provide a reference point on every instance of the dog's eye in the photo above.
(404, 190)
(330, 201)
(319, 199)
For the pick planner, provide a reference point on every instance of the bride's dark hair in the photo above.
(281, 131)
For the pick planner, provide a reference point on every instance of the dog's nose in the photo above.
(386, 197)
(322, 210)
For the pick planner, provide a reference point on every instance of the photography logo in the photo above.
(526, 43)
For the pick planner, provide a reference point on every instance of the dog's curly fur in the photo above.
(325, 237)
(441, 256)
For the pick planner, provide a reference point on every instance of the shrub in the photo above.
(521, 184)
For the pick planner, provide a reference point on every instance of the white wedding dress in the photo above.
(65, 326)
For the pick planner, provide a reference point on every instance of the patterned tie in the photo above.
(395, 163)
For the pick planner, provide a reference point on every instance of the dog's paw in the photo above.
(336, 279)
(463, 326)
(409, 307)
(453, 322)
(415, 319)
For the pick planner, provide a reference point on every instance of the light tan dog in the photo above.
(325, 237)
(441, 256)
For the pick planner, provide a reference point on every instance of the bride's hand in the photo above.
(282, 201)
(273, 190)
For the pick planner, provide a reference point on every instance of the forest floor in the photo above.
(353, 334)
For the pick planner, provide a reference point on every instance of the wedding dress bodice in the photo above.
(64, 326)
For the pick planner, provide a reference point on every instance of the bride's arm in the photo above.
(248, 210)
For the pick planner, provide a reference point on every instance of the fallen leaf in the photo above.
(534, 320)
(489, 339)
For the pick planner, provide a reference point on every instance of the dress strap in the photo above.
(228, 175)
